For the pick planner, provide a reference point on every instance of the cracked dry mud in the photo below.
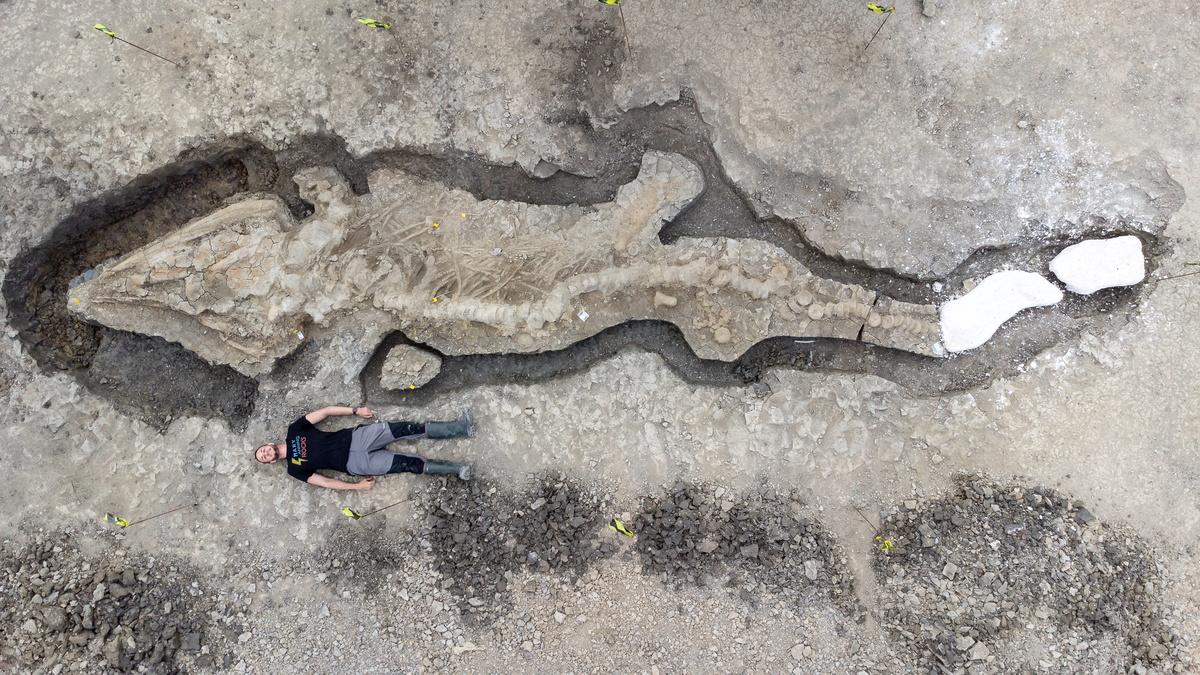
(688, 262)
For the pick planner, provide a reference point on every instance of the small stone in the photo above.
(722, 335)
(112, 652)
(537, 504)
(950, 570)
(527, 646)
(811, 569)
(55, 618)
(559, 617)
(928, 536)
(663, 300)
(323, 612)
(1084, 517)
(964, 642)
(980, 652)
(30, 626)
(190, 642)
(797, 652)
(760, 389)
(707, 546)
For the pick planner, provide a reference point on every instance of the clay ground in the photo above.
(1012, 113)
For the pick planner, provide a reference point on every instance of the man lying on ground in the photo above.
(359, 451)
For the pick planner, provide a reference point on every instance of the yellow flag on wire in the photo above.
(618, 526)
(880, 9)
(116, 520)
(104, 29)
(374, 23)
(610, 2)
(351, 513)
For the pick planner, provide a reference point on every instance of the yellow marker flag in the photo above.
(351, 513)
(104, 29)
(610, 2)
(880, 9)
(116, 520)
(375, 23)
(618, 526)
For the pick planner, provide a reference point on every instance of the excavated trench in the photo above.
(158, 379)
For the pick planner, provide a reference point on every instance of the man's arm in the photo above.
(335, 484)
(316, 416)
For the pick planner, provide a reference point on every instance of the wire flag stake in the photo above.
(624, 27)
(113, 36)
(378, 25)
(878, 9)
(123, 523)
(355, 515)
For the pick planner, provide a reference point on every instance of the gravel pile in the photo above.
(480, 534)
(761, 542)
(61, 610)
(359, 556)
(1004, 577)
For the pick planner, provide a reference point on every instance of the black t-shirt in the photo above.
(309, 449)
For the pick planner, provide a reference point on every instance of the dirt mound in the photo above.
(480, 534)
(1005, 576)
(760, 542)
(63, 609)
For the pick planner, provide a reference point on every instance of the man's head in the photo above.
(269, 453)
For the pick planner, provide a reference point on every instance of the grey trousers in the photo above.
(368, 453)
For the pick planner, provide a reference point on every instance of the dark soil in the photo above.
(922, 375)
(59, 607)
(108, 227)
(158, 380)
(481, 533)
(993, 561)
(758, 543)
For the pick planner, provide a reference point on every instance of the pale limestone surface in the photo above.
(468, 276)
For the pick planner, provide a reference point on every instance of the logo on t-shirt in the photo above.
(298, 450)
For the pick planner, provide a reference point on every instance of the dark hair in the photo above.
(260, 447)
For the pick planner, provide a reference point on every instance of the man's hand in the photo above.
(365, 484)
(366, 412)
